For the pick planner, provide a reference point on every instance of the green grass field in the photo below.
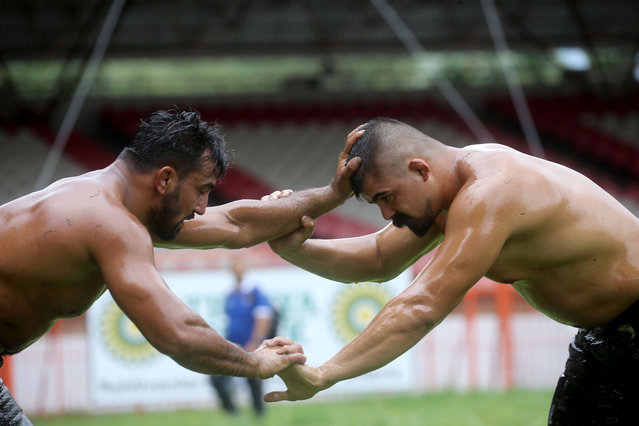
(515, 408)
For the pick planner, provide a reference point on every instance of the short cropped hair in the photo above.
(178, 139)
(368, 147)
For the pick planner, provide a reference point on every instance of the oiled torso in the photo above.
(573, 252)
(46, 267)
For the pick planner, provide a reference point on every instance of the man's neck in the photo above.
(450, 172)
(131, 188)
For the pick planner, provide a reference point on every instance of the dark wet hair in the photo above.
(368, 147)
(178, 139)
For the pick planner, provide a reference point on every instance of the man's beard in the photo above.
(419, 226)
(161, 219)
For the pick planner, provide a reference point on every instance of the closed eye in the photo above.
(206, 189)
(381, 196)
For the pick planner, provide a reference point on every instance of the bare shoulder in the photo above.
(489, 147)
(90, 209)
(494, 164)
(488, 157)
(511, 185)
(532, 194)
(491, 171)
(110, 219)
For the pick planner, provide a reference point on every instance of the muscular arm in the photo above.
(474, 237)
(125, 256)
(246, 223)
(376, 257)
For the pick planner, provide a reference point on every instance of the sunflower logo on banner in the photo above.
(122, 338)
(355, 306)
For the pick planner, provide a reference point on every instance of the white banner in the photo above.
(322, 315)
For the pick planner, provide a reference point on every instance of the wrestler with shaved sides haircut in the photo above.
(568, 247)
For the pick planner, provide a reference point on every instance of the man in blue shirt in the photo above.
(250, 318)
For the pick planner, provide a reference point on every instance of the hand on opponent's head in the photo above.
(341, 181)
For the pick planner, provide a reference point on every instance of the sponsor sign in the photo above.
(322, 315)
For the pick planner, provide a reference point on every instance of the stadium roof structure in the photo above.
(72, 31)
(161, 28)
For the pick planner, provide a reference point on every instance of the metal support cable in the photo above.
(444, 85)
(79, 96)
(512, 79)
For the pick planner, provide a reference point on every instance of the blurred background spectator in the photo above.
(250, 321)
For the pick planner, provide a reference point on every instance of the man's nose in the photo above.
(200, 206)
(387, 212)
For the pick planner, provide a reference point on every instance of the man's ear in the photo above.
(419, 166)
(165, 179)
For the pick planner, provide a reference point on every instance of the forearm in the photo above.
(201, 349)
(265, 220)
(345, 260)
(246, 223)
(395, 330)
(229, 360)
(377, 257)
